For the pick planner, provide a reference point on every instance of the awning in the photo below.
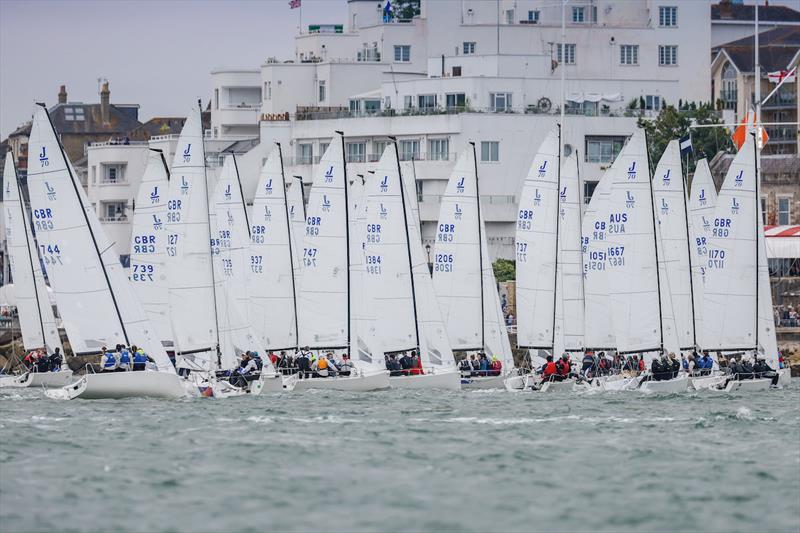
(782, 241)
(579, 98)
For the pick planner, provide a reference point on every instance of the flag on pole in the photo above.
(780, 76)
(388, 11)
(294, 4)
(747, 124)
(685, 144)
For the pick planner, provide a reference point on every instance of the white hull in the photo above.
(707, 382)
(6, 381)
(39, 379)
(558, 386)
(679, 384)
(748, 385)
(514, 383)
(480, 383)
(359, 383)
(617, 383)
(114, 385)
(785, 377)
(443, 380)
(272, 383)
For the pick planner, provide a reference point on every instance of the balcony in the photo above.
(374, 158)
(782, 134)
(781, 100)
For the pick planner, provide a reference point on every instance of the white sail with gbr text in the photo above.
(702, 202)
(36, 319)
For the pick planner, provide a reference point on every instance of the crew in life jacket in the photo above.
(124, 358)
(108, 363)
(320, 367)
(564, 367)
(416, 364)
(346, 367)
(495, 367)
(140, 359)
(549, 370)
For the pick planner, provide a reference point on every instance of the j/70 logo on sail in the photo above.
(460, 186)
(268, 187)
(632, 171)
(738, 181)
(154, 198)
(157, 222)
(563, 194)
(383, 212)
(457, 213)
(630, 201)
(43, 159)
(329, 175)
(326, 204)
(51, 192)
(187, 154)
(537, 198)
(228, 192)
(543, 169)
(385, 184)
(267, 213)
(664, 207)
(184, 186)
(666, 179)
(735, 207)
(702, 198)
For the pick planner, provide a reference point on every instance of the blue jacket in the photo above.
(139, 358)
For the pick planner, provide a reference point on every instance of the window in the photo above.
(426, 101)
(456, 71)
(456, 101)
(438, 149)
(500, 102)
(652, 102)
(763, 210)
(784, 210)
(323, 146)
(629, 54)
(321, 91)
(356, 152)
(469, 47)
(667, 16)
(509, 16)
(408, 101)
(570, 55)
(113, 210)
(402, 53)
(267, 90)
(730, 91)
(668, 55)
(305, 153)
(74, 114)
(216, 98)
(533, 17)
(603, 149)
(588, 190)
(578, 15)
(112, 173)
(378, 147)
(490, 151)
(419, 190)
(409, 150)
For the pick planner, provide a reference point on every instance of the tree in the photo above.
(504, 270)
(674, 124)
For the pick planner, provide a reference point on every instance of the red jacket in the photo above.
(549, 369)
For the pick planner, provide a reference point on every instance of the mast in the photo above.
(88, 226)
(580, 236)
(684, 184)
(757, 138)
(558, 220)
(480, 247)
(655, 237)
(28, 248)
(408, 242)
(241, 193)
(163, 161)
(291, 253)
(210, 248)
(758, 222)
(347, 236)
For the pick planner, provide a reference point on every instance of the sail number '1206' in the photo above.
(444, 263)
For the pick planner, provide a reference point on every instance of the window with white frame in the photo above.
(603, 149)
(408, 101)
(74, 114)
(578, 14)
(784, 210)
(668, 55)
(667, 16)
(113, 210)
(500, 102)
(629, 54)
(322, 91)
(438, 149)
(322, 147)
(305, 153)
(426, 101)
(356, 152)
(730, 89)
(533, 16)
(267, 90)
(468, 48)
(216, 98)
(113, 172)
(377, 150)
(652, 102)
(569, 57)
(490, 151)
(763, 209)
(456, 101)
(402, 53)
(409, 149)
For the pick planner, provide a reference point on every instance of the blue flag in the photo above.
(388, 11)
(686, 144)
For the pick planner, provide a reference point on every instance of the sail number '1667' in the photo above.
(444, 263)
(616, 256)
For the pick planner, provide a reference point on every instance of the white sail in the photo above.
(631, 252)
(297, 215)
(189, 267)
(148, 271)
(274, 260)
(730, 312)
(673, 254)
(538, 221)
(36, 319)
(95, 298)
(767, 338)
(387, 258)
(702, 202)
(323, 305)
(598, 331)
(569, 304)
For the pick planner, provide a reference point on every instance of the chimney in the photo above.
(105, 97)
(62, 95)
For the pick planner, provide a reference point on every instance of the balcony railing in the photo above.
(373, 158)
(241, 107)
(782, 134)
(485, 199)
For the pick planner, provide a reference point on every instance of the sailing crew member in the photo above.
(674, 365)
(484, 365)
(549, 371)
(496, 367)
(564, 368)
(124, 358)
(706, 364)
(346, 367)
(763, 370)
(55, 360)
(464, 366)
(304, 363)
(587, 365)
(475, 363)
(406, 363)
(657, 369)
(108, 362)
(140, 359)
(395, 369)
(416, 364)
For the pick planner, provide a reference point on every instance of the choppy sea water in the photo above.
(403, 460)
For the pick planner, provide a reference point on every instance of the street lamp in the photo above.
(430, 264)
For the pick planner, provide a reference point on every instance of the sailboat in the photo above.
(95, 298)
(702, 203)
(737, 314)
(148, 245)
(397, 277)
(632, 261)
(463, 277)
(331, 313)
(36, 319)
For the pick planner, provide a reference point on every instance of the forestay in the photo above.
(538, 221)
(631, 253)
(702, 202)
(148, 270)
(272, 287)
(189, 268)
(36, 319)
(95, 298)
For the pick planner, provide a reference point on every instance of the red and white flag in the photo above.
(294, 4)
(781, 76)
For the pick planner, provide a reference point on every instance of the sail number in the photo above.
(446, 232)
(443, 263)
(142, 273)
(310, 257)
(522, 251)
(257, 234)
(172, 242)
(525, 219)
(256, 264)
(51, 254)
(616, 256)
(716, 258)
(373, 264)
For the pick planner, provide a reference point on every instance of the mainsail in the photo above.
(148, 271)
(95, 298)
(633, 277)
(702, 202)
(36, 319)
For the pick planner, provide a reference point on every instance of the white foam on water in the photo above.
(743, 413)
(260, 419)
